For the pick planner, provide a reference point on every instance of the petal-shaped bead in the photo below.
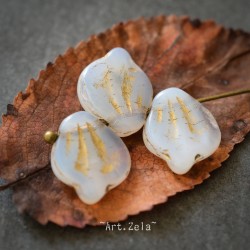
(89, 156)
(115, 89)
(180, 130)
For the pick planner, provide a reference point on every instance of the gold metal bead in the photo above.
(50, 137)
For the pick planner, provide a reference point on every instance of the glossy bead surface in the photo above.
(180, 130)
(115, 89)
(89, 156)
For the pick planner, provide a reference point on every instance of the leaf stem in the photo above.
(223, 95)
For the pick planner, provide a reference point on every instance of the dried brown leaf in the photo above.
(199, 57)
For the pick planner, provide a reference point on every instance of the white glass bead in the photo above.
(180, 130)
(89, 156)
(115, 89)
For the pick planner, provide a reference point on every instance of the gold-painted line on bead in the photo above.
(68, 142)
(126, 88)
(82, 157)
(115, 105)
(139, 101)
(100, 148)
(106, 84)
(186, 113)
(132, 70)
(107, 168)
(97, 141)
(173, 118)
(159, 114)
